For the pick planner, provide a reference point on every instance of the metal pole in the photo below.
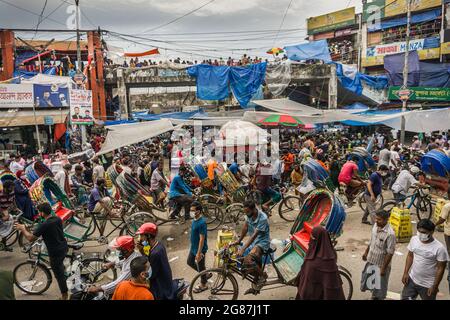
(79, 67)
(37, 130)
(405, 70)
(441, 58)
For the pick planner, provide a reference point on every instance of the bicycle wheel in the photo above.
(234, 213)
(347, 285)
(136, 220)
(32, 278)
(213, 215)
(221, 286)
(289, 208)
(424, 209)
(389, 205)
(90, 271)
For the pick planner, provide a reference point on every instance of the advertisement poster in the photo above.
(16, 96)
(81, 107)
(51, 96)
(331, 21)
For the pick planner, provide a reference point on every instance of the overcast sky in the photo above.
(139, 17)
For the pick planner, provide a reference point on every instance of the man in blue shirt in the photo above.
(181, 195)
(373, 190)
(257, 226)
(199, 246)
(99, 199)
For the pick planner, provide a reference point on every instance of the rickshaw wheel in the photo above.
(221, 286)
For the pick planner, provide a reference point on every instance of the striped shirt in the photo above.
(382, 242)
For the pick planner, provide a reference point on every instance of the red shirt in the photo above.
(347, 172)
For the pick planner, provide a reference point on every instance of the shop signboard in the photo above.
(345, 32)
(398, 7)
(396, 47)
(379, 9)
(445, 48)
(16, 96)
(331, 21)
(81, 107)
(421, 94)
(51, 95)
(321, 36)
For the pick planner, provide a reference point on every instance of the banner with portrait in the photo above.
(81, 107)
(51, 95)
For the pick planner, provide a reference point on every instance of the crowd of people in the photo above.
(145, 270)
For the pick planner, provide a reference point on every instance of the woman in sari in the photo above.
(319, 277)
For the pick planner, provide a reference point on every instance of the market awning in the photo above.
(26, 118)
(127, 134)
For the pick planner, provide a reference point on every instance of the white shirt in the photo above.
(98, 172)
(60, 178)
(403, 182)
(125, 274)
(126, 169)
(15, 166)
(155, 180)
(395, 158)
(426, 256)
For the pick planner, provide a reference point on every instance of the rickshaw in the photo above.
(36, 170)
(321, 207)
(366, 165)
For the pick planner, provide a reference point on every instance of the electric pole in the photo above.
(405, 70)
(79, 67)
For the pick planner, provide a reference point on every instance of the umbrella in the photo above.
(275, 51)
(281, 120)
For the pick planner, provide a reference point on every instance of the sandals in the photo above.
(199, 289)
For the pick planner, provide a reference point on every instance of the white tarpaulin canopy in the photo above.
(127, 134)
(241, 133)
(416, 121)
(47, 79)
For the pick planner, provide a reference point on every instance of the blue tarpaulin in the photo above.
(116, 122)
(171, 115)
(421, 74)
(393, 64)
(213, 81)
(309, 51)
(415, 18)
(436, 162)
(355, 85)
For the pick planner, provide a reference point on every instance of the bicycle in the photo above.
(419, 199)
(34, 277)
(222, 282)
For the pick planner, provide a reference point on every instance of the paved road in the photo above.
(354, 241)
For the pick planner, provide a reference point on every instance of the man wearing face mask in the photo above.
(125, 246)
(137, 287)
(52, 233)
(162, 285)
(425, 264)
(378, 255)
(373, 190)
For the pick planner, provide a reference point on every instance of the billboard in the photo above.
(16, 96)
(81, 107)
(422, 94)
(331, 21)
(51, 96)
(389, 8)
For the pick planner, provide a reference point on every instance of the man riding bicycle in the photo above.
(257, 226)
(350, 178)
(125, 246)
(404, 181)
(263, 182)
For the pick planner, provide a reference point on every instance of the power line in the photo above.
(181, 17)
(282, 22)
(30, 12)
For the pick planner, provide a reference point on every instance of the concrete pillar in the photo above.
(97, 81)
(332, 88)
(7, 45)
(122, 93)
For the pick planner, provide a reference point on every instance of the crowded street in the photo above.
(240, 158)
